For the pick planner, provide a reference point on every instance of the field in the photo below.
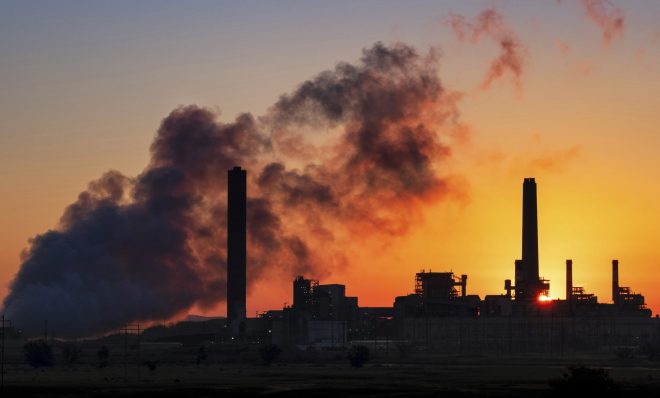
(329, 374)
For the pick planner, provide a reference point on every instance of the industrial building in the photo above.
(440, 314)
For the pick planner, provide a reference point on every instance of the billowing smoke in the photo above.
(512, 56)
(608, 17)
(351, 154)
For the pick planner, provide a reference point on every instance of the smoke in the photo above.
(350, 155)
(512, 56)
(608, 17)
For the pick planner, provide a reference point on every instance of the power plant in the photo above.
(440, 314)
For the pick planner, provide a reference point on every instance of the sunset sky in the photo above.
(85, 85)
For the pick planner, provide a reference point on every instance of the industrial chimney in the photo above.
(528, 285)
(615, 281)
(569, 280)
(236, 246)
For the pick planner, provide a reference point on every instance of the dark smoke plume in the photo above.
(490, 24)
(151, 247)
(608, 17)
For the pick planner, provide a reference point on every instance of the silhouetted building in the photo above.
(236, 246)
(441, 316)
(625, 300)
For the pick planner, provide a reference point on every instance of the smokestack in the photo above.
(527, 280)
(569, 280)
(236, 245)
(615, 281)
(463, 285)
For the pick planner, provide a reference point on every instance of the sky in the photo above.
(85, 85)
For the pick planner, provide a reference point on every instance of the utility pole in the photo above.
(133, 328)
(3, 323)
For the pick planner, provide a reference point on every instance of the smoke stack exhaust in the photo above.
(569, 280)
(615, 281)
(236, 246)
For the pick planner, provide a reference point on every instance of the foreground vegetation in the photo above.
(90, 369)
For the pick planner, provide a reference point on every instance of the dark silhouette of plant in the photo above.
(151, 365)
(103, 354)
(651, 351)
(403, 350)
(358, 355)
(202, 356)
(270, 353)
(625, 354)
(71, 353)
(581, 380)
(38, 353)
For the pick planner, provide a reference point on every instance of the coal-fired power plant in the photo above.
(440, 315)
(236, 247)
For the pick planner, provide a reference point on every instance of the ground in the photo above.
(419, 375)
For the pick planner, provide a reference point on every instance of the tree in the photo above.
(270, 353)
(38, 353)
(625, 354)
(151, 365)
(202, 356)
(71, 353)
(358, 355)
(103, 354)
(581, 380)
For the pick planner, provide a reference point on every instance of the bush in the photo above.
(103, 354)
(270, 353)
(151, 365)
(358, 355)
(580, 380)
(625, 354)
(403, 350)
(38, 353)
(202, 356)
(70, 353)
(651, 351)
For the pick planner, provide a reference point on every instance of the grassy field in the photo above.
(418, 376)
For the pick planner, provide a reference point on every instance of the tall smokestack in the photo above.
(615, 281)
(569, 280)
(236, 245)
(530, 243)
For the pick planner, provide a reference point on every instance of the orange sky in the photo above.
(81, 98)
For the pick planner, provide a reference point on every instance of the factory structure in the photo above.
(439, 314)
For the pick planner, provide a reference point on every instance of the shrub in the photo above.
(358, 355)
(625, 354)
(38, 353)
(151, 365)
(71, 353)
(580, 380)
(270, 353)
(103, 354)
(202, 356)
(651, 351)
